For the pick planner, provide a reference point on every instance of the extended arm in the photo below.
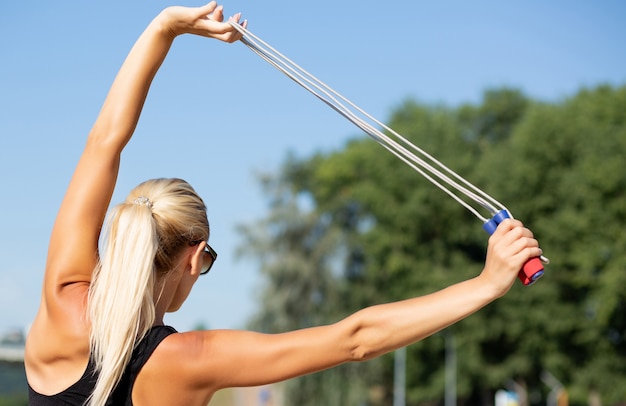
(246, 358)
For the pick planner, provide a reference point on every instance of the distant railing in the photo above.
(11, 353)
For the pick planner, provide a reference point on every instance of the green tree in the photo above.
(300, 252)
(568, 159)
(417, 240)
(385, 233)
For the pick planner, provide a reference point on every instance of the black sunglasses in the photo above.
(208, 259)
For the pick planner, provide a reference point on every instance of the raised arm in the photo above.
(73, 244)
(72, 252)
(58, 343)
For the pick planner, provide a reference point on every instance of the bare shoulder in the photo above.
(57, 347)
(178, 372)
(188, 355)
(61, 324)
(197, 361)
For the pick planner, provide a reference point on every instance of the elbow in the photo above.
(360, 354)
(105, 142)
(366, 350)
(367, 342)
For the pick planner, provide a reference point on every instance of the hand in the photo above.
(510, 246)
(207, 21)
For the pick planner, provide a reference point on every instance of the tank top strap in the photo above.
(147, 345)
(122, 395)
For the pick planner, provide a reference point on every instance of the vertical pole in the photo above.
(450, 391)
(399, 377)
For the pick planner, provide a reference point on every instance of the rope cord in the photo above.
(425, 164)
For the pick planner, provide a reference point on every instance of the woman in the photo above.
(99, 335)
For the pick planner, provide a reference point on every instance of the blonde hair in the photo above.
(142, 238)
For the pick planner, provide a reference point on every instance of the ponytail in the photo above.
(121, 306)
(141, 239)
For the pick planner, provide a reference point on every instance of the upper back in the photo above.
(79, 391)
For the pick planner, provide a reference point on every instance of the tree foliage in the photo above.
(375, 231)
(299, 251)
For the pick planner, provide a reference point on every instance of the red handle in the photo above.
(531, 271)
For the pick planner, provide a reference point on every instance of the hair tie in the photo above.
(143, 201)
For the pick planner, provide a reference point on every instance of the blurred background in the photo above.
(311, 219)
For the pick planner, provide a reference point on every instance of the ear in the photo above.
(197, 258)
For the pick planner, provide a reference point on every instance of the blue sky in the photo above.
(217, 114)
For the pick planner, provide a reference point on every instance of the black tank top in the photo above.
(78, 393)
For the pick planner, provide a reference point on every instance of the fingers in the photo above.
(218, 14)
(207, 21)
(208, 8)
(215, 12)
(510, 247)
(211, 23)
(509, 224)
(231, 34)
(514, 241)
